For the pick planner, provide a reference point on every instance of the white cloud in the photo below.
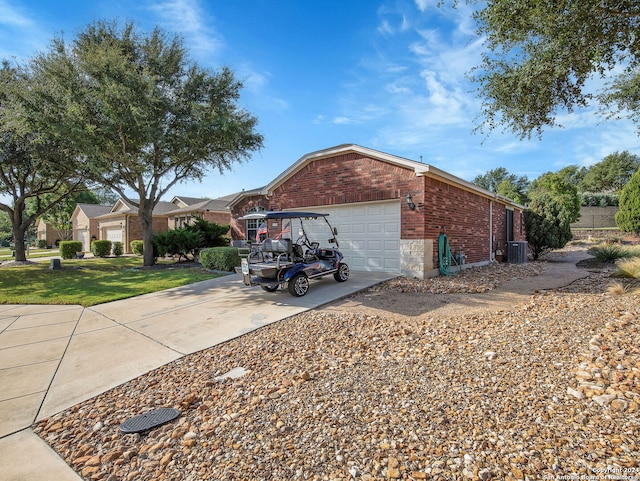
(423, 5)
(11, 16)
(385, 28)
(20, 35)
(342, 121)
(188, 18)
(256, 84)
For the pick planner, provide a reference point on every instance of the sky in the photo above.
(390, 75)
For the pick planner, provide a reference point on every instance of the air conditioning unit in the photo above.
(517, 252)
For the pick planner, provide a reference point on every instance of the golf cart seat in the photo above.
(279, 246)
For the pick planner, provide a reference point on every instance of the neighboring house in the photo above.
(388, 211)
(122, 223)
(85, 224)
(186, 208)
(46, 232)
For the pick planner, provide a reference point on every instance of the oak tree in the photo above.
(541, 54)
(144, 115)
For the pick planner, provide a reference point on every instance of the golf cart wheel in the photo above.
(298, 285)
(269, 288)
(342, 274)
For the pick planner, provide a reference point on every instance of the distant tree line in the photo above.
(553, 200)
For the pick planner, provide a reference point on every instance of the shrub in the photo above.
(181, 242)
(101, 248)
(42, 244)
(609, 252)
(68, 249)
(220, 258)
(118, 249)
(212, 233)
(628, 217)
(137, 247)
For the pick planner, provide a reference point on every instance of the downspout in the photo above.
(491, 254)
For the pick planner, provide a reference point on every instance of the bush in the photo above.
(628, 217)
(212, 233)
(137, 247)
(181, 242)
(610, 252)
(220, 258)
(42, 244)
(101, 248)
(546, 229)
(68, 249)
(118, 249)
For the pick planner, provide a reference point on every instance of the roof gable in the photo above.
(216, 205)
(91, 210)
(339, 150)
(420, 169)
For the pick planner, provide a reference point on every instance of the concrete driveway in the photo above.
(53, 357)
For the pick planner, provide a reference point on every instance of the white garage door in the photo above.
(84, 238)
(369, 234)
(114, 235)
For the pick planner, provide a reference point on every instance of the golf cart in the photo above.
(282, 262)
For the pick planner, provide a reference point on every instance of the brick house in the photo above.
(389, 211)
(85, 222)
(120, 222)
(186, 208)
(46, 232)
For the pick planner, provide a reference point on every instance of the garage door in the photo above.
(369, 234)
(114, 235)
(84, 238)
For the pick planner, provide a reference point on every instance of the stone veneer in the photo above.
(416, 258)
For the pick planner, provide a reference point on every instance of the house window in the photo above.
(253, 224)
(182, 221)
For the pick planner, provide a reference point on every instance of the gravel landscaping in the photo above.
(446, 379)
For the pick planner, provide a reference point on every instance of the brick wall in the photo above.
(354, 177)
(238, 228)
(135, 231)
(220, 218)
(462, 215)
(343, 179)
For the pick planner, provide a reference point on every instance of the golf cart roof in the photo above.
(282, 215)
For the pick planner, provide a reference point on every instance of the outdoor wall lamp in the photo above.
(410, 203)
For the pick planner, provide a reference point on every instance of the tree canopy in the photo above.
(37, 170)
(611, 174)
(144, 116)
(541, 54)
(500, 181)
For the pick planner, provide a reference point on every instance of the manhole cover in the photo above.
(149, 420)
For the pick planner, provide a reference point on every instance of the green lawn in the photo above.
(5, 253)
(90, 281)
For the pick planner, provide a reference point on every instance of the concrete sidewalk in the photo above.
(53, 357)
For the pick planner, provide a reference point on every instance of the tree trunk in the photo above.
(146, 219)
(18, 239)
(18, 228)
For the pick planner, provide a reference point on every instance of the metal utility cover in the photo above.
(150, 420)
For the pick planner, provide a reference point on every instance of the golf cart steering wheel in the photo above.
(303, 241)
